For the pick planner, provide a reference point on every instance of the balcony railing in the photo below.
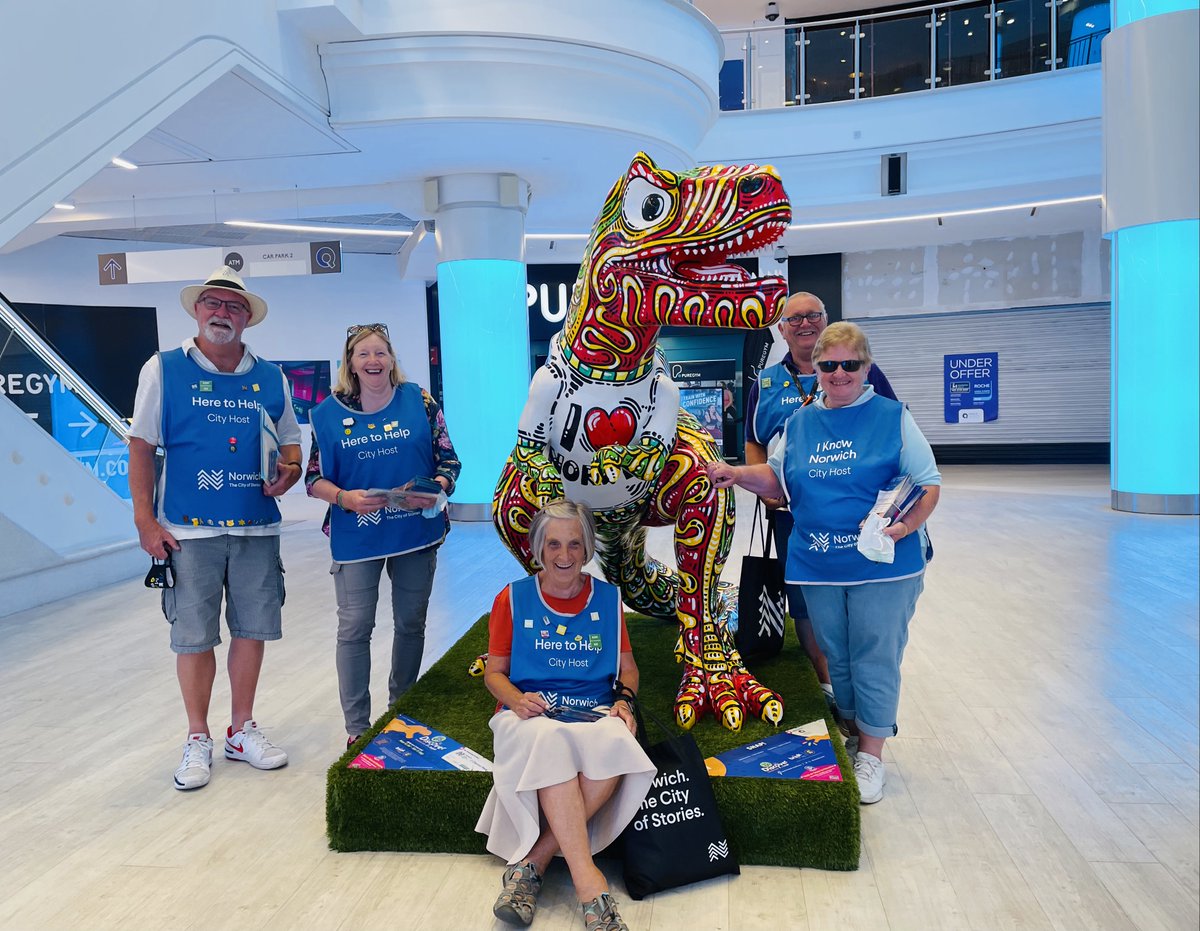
(896, 52)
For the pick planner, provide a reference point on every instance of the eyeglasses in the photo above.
(812, 317)
(848, 365)
(357, 328)
(215, 304)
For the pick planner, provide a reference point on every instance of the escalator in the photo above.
(35, 378)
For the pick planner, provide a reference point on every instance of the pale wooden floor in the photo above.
(1045, 776)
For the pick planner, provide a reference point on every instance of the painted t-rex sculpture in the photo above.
(602, 423)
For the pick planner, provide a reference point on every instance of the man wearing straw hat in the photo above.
(211, 512)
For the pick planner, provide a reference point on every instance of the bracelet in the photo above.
(339, 499)
(296, 464)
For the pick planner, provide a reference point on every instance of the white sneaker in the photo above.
(250, 745)
(870, 775)
(196, 766)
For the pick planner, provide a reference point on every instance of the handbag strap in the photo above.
(761, 529)
(640, 713)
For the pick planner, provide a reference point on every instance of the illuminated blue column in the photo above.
(483, 317)
(1152, 213)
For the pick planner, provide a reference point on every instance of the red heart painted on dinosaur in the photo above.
(609, 428)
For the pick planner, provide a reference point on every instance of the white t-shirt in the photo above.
(147, 425)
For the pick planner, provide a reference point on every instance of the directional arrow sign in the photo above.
(114, 269)
(88, 423)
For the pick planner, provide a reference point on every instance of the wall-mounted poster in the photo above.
(972, 387)
(705, 404)
(310, 385)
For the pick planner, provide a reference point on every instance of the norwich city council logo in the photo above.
(820, 542)
(213, 480)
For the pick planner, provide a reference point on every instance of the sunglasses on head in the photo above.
(848, 365)
(357, 328)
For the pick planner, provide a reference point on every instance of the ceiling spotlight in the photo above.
(123, 163)
(64, 205)
(772, 13)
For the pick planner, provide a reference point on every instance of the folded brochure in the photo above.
(803, 752)
(268, 446)
(406, 743)
(417, 494)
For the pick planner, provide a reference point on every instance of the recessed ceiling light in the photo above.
(947, 213)
(124, 163)
(64, 205)
(313, 228)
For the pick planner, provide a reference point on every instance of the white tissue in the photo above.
(440, 505)
(873, 543)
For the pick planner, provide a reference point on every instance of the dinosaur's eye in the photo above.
(751, 185)
(645, 204)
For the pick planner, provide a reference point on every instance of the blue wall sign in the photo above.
(972, 387)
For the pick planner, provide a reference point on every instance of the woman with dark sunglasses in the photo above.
(376, 432)
(837, 454)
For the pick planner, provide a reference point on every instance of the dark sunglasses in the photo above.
(357, 328)
(848, 365)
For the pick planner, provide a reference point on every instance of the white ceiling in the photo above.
(238, 150)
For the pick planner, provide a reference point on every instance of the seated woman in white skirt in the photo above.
(557, 643)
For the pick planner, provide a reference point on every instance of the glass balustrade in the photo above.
(934, 46)
(37, 380)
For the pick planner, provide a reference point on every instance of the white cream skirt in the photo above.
(540, 752)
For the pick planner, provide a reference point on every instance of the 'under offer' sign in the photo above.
(305, 258)
(972, 387)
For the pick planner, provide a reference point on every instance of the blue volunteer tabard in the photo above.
(379, 450)
(836, 462)
(211, 434)
(572, 660)
(780, 394)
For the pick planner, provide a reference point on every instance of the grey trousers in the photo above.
(357, 588)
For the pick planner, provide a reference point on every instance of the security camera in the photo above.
(772, 13)
(781, 253)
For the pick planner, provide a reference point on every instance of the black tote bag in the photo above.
(761, 601)
(677, 836)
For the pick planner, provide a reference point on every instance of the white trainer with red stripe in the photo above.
(250, 745)
(196, 767)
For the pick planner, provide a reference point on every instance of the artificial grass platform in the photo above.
(774, 822)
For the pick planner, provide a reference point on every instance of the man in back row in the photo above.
(779, 390)
(216, 519)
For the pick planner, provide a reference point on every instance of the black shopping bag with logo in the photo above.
(677, 836)
(761, 600)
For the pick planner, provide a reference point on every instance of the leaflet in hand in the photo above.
(897, 499)
(269, 445)
(417, 494)
(574, 715)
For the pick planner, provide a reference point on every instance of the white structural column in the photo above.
(1152, 211)
(483, 324)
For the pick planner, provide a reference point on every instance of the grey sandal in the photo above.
(518, 901)
(600, 914)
